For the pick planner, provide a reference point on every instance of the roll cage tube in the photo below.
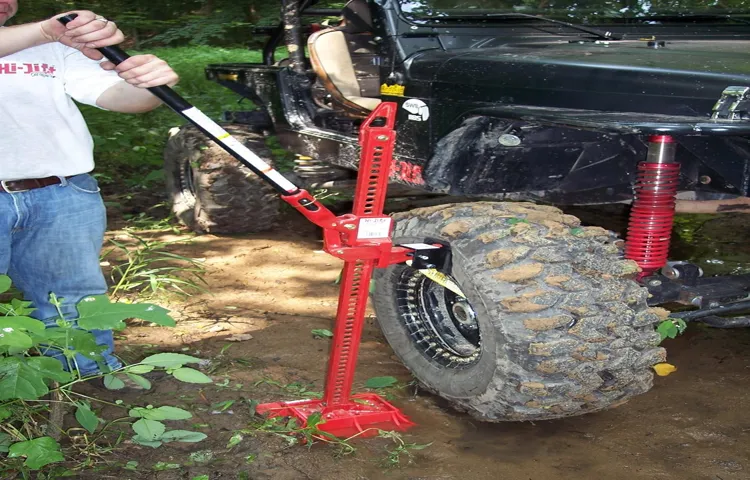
(292, 9)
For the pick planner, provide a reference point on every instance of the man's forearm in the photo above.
(125, 98)
(21, 37)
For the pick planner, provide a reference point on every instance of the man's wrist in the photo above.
(44, 37)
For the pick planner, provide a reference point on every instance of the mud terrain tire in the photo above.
(563, 328)
(211, 191)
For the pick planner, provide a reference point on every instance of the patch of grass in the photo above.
(295, 388)
(222, 362)
(162, 466)
(144, 267)
(143, 222)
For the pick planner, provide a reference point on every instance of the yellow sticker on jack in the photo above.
(392, 90)
(441, 279)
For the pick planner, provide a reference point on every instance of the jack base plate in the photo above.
(362, 416)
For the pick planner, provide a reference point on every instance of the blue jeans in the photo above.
(50, 241)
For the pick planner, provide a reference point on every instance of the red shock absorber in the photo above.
(652, 215)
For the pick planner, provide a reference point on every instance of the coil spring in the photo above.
(652, 215)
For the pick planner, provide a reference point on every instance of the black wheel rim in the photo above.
(442, 325)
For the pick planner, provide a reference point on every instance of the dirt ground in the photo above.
(278, 287)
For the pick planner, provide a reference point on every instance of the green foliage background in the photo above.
(167, 22)
(149, 23)
(230, 22)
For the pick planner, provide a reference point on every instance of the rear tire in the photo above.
(211, 191)
(553, 324)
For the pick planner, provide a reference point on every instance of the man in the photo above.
(52, 218)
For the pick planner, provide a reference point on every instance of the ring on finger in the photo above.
(101, 19)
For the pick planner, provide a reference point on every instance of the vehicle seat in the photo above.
(331, 51)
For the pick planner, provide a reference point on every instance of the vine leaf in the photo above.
(38, 452)
(96, 312)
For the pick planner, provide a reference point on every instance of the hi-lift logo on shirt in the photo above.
(32, 69)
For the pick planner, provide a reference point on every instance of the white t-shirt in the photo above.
(42, 132)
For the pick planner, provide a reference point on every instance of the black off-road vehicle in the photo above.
(520, 109)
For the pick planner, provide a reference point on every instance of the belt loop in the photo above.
(63, 181)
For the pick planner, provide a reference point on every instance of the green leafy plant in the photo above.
(28, 438)
(38, 452)
(283, 160)
(381, 382)
(322, 333)
(235, 440)
(671, 327)
(161, 466)
(389, 387)
(401, 450)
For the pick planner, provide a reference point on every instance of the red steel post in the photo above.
(363, 240)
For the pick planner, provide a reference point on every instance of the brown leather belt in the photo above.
(9, 186)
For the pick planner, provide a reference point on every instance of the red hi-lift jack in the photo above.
(362, 239)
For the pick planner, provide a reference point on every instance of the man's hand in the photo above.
(139, 72)
(144, 71)
(86, 33)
